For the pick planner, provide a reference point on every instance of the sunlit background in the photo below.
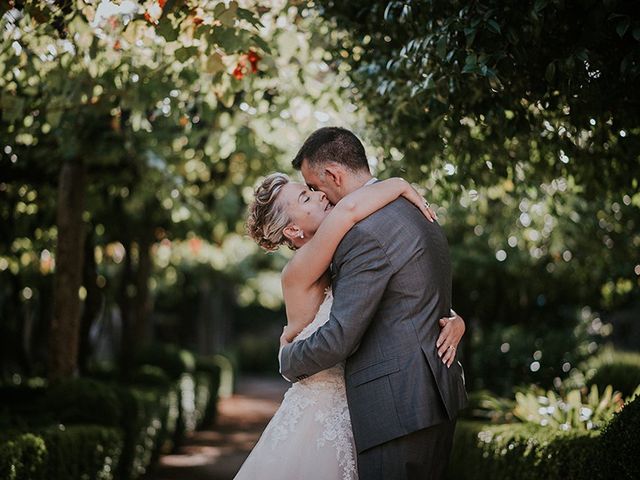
(133, 134)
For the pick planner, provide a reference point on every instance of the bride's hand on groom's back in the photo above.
(453, 329)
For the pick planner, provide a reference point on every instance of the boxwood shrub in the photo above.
(61, 453)
(523, 451)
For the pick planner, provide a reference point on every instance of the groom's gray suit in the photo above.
(391, 280)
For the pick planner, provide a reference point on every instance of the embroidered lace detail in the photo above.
(337, 432)
(314, 411)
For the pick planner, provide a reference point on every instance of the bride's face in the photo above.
(306, 208)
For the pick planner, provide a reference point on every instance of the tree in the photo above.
(76, 79)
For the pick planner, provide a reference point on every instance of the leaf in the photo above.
(470, 63)
(249, 16)
(12, 107)
(441, 47)
(167, 30)
(185, 53)
(550, 72)
(623, 26)
(493, 26)
(228, 17)
(539, 5)
(261, 43)
(215, 63)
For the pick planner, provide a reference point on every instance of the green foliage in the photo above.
(622, 437)
(173, 360)
(505, 83)
(57, 453)
(81, 451)
(535, 178)
(521, 452)
(84, 400)
(620, 369)
(524, 451)
(484, 405)
(151, 376)
(144, 411)
(22, 457)
(571, 411)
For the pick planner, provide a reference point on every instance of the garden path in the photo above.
(217, 452)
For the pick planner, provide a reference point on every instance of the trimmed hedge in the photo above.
(173, 360)
(619, 369)
(525, 451)
(520, 451)
(22, 457)
(621, 437)
(104, 429)
(74, 452)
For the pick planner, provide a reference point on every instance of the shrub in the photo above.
(574, 410)
(22, 457)
(526, 451)
(173, 360)
(520, 451)
(619, 369)
(81, 451)
(151, 376)
(144, 411)
(621, 442)
(83, 400)
(208, 373)
(61, 453)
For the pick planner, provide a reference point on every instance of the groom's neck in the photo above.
(355, 181)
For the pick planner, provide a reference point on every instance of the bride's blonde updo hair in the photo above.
(267, 218)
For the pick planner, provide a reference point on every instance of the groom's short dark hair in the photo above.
(332, 144)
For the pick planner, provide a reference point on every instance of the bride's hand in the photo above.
(453, 329)
(286, 337)
(418, 200)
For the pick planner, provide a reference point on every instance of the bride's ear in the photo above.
(291, 232)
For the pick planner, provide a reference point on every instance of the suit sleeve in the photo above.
(363, 272)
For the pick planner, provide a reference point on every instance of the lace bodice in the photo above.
(335, 373)
(321, 317)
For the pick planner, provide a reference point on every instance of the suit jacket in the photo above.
(391, 284)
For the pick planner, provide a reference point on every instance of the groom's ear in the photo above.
(333, 172)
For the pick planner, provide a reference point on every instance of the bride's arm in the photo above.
(312, 260)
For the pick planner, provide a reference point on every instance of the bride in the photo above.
(310, 436)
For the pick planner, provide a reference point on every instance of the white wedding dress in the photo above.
(309, 437)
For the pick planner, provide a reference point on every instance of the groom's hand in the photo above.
(453, 329)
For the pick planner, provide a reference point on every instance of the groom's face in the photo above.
(320, 182)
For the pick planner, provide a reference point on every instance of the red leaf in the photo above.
(162, 3)
(117, 45)
(253, 58)
(238, 72)
(150, 19)
(197, 21)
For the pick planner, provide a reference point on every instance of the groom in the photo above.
(391, 280)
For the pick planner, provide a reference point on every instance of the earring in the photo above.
(301, 235)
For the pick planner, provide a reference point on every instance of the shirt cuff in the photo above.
(280, 364)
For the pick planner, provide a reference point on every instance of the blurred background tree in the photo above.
(522, 122)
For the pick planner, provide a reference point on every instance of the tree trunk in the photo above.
(142, 301)
(125, 295)
(91, 304)
(65, 325)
